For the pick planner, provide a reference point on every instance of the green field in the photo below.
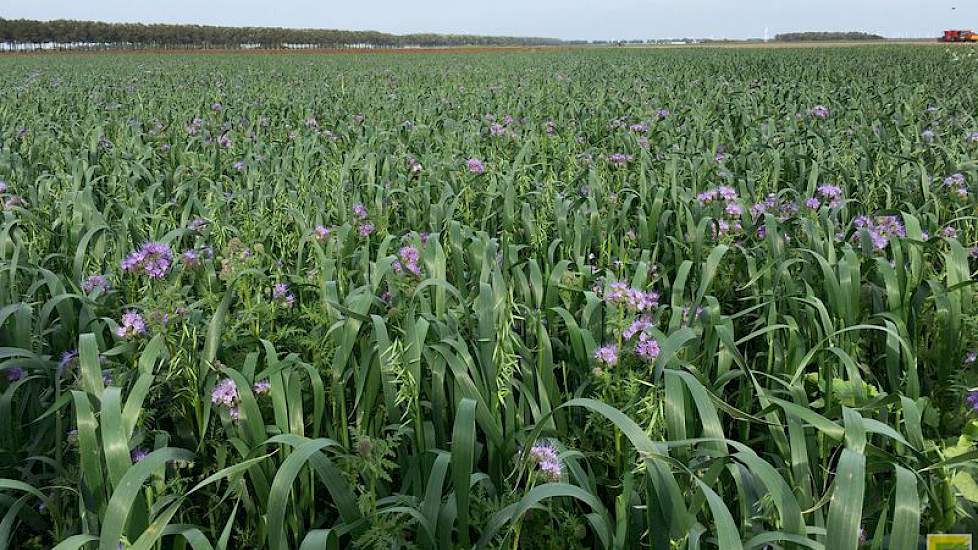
(598, 298)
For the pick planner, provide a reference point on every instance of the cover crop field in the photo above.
(597, 298)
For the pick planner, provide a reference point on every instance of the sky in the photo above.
(566, 19)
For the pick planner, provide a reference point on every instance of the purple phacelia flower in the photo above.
(637, 326)
(95, 283)
(225, 393)
(971, 398)
(813, 203)
(224, 141)
(545, 457)
(971, 357)
(15, 373)
(68, 359)
(607, 355)
(727, 193)
(733, 210)
(262, 387)
(820, 111)
(138, 455)
(239, 165)
(132, 325)
(153, 259)
(360, 211)
(475, 166)
(197, 225)
(365, 229)
(927, 135)
(217, 107)
(972, 137)
(321, 233)
(647, 348)
(620, 159)
(409, 257)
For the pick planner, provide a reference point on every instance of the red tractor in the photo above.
(960, 36)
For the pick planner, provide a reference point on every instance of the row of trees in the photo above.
(826, 37)
(96, 33)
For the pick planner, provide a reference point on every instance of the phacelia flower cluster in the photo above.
(957, 184)
(225, 394)
(620, 159)
(94, 283)
(820, 111)
(633, 299)
(475, 166)
(152, 259)
(132, 325)
(407, 260)
(880, 229)
(282, 295)
(544, 457)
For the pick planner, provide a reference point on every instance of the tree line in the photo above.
(826, 37)
(97, 34)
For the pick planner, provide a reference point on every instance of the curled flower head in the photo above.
(365, 229)
(261, 387)
(138, 454)
(190, 258)
(475, 166)
(971, 399)
(321, 233)
(647, 348)
(225, 393)
(813, 203)
(360, 211)
(132, 325)
(95, 283)
(607, 355)
(545, 457)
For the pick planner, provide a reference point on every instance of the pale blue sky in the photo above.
(568, 19)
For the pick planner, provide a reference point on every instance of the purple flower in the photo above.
(321, 233)
(365, 229)
(497, 129)
(95, 283)
(950, 232)
(619, 159)
(475, 166)
(639, 128)
(663, 113)
(972, 137)
(813, 203)
(971, 357)
(607, 355)
(409, 257)
(727, 193)
(733, 209)
(106, 377)
(153, 259)
(954, 180)
(197, 225)
(830, 191)
(234, 413)
(217, 107)
(133, 325)
(706, 197)
(224, 141)
(15, 373)
(138, 454)
(971, 398)
(225, 393)
(820, 111)
(647, 348)
(68, 358)
(927, 135)
(360, 211)
(638, 325)
(550, 128)
(3, 186)
(239, 165)
(262, 387)
(190, 258)
(545, 457)
(280, 290)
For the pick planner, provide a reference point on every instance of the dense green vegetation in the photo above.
(826, 37)
(569, 299)
(97, 34)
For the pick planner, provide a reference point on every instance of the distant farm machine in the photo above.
(960, 36)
